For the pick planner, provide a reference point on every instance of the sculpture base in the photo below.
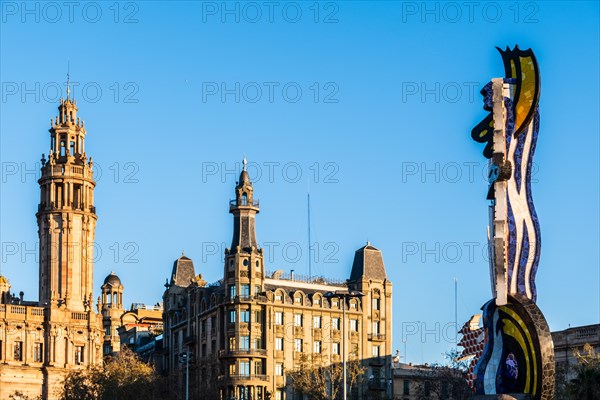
(512, 396)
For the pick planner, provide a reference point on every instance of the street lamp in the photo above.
(185, 358)
(344, 295)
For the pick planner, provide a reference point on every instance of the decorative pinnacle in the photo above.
(244, 162)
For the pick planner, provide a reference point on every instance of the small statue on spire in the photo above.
(245, 162)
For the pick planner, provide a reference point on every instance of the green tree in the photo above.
(445, 381)
(321, 380)
(586, 385)
(123, 377)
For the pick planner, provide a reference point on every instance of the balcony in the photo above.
(379, 337)
(79, 316)
(242, 353)
(248, 377)
(68, 170)
(25, 312)
(234, 204)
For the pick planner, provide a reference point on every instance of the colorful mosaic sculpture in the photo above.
(472, 341)
(518, 354)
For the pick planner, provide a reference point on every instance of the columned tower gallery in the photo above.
(66, 215)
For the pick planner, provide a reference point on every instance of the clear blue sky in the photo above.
(389, 94)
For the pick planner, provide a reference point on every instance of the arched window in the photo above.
(299, 298)
(244, 199)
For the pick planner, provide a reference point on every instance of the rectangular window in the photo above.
(245, 290)
(38, 352)
(317, 322)
(375, 328)
(72, 148)
(353, 305)
(278, 318)
(258, 367)
(107, 331)
(106, 349)
(231, 343)
(232, 314)
(257, 343)
(232, 292)
(278, 297)
(244, 342)
(279, 369)
(406, 387)
(354, 325)
(245, 368)
(297, 319)
(335, 348)
(78, 355)
(258, 316)
(375, 304)
(375, 351)
(231, 369)
(279, 343)
(245, 316)
(18, 351)
(317, 346)
(256, 290)
(335, 324)
(298, 345)
(279, 394)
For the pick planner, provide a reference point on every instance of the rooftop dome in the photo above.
(113, 280)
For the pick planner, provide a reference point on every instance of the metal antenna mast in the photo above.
(309, 243)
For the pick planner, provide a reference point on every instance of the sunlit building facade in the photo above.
(243, 333)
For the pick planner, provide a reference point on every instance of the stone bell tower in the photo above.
(66, 214)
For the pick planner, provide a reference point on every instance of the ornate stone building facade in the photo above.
(569, 341)
(244, 332)
(40, 341)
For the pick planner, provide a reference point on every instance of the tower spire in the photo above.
(69, 80)
(244, 209)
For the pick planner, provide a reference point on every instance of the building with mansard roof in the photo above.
(41, 341)
(243, 333)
